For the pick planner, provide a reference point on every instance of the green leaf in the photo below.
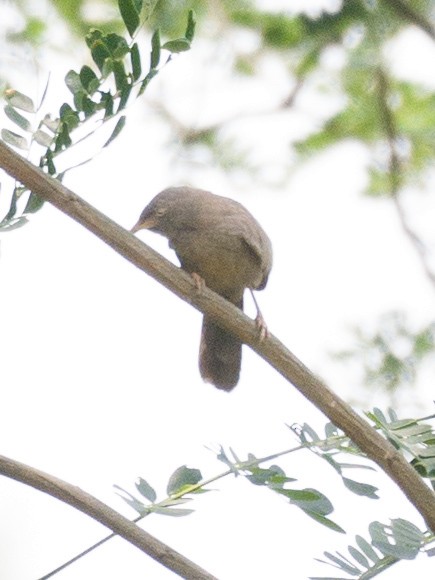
(73, 82)
(44, 94)
(116, 131)
(191, 24)
(174, 512)
(78, 101)
(147, 79)
(43, 138)
(117, 45)
(130, 15)
(331, 430)
(17, 118)
(14, 139)
(13, 224)
(379, 415)
(359, 488)
(125, 93)
(411, 430)
(367, 549)
(69, 117)
(34, 203)
(137, 505)
(19, 101)
(358, 557)
(169, 502)
(146, 490)
(222, 456)
(17, 192)
(343, 563)
(319, 504)
(89, 80)
(107, 67)
(47, 161)
(88, 106)
(63, 140)
(51, 124)
(178, 45)
(401, 540)
(183, 476)
(424, 342)
(94, 35)
(107, 102)
(121, 78)
(155, 49)
(136, 67)
(325, 521)
(272, 476)
(299, 495)
(100, 53)
(132, 501)
(312, 435)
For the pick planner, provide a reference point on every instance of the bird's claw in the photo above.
(199, 281)
(260, 323)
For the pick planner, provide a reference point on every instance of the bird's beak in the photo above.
(146, 224)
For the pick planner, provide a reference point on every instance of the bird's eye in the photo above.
(160, 211)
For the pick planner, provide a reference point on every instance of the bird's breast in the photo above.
(223, 261)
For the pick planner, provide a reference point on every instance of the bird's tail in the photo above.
(220, 355)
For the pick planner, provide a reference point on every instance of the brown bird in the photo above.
(218, 241)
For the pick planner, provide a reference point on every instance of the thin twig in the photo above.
(104, 514)
(416, 242)
(188, 134)
(395, 170)
(186, 491)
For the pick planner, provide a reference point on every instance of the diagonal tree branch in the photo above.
(104, 514)
(231, 318)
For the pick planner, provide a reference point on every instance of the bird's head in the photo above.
(171, 210)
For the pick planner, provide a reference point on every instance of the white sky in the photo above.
(99, 373)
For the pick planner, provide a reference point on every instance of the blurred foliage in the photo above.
(390, 356)
(378, 110)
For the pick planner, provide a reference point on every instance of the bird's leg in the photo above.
(259, 320)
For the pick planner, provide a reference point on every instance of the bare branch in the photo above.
(104, 514)
(188, 134)
(231, 318)
(404, 10)
(395, 170)
(416, 242)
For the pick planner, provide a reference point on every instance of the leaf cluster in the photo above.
(413, 437)
(400, 540)
(391, 355)
(387, 545)
(100, 94)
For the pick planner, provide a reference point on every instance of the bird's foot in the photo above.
(199, 281)
(260, 323)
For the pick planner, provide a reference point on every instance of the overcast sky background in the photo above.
(99, 373)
